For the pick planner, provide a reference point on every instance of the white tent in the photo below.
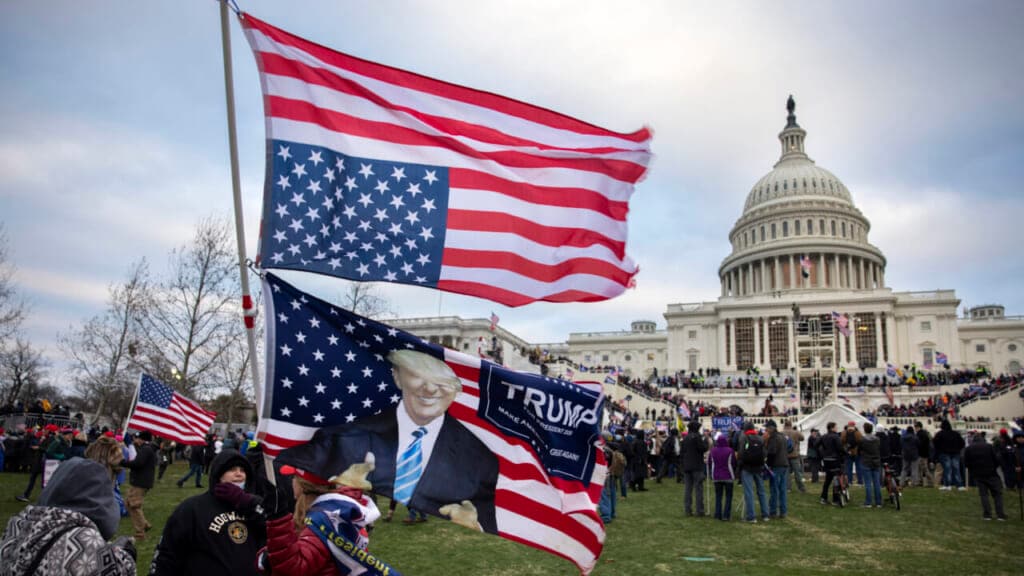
(831, 412)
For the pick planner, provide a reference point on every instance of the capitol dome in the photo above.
(800, 230)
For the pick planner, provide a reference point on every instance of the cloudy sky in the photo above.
(113, 142)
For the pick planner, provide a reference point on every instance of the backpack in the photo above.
(753, 451)
(789, 445)
(618, 466)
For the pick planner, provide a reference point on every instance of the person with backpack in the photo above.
(832, 460)
(814, 454)
(752, 460)
(910, 449)
(669, 453)
(850, 439)
(778, 462)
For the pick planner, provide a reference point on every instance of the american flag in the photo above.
(842, 322)
(328, 366)
(494, 321)
(166, 413)
(805, 266)
(941, 358)
(381, 174)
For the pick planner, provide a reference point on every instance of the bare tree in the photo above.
(103, 349)
(22, 370)
(192, 319)
(12, 308)
(234, 375)
(365, 299)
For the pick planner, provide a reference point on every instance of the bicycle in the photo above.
(841, 489)
(892, 487)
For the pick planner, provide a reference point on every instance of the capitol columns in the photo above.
(878, 340)
(757, 340)
(821, 270)
(890, 333)
(853, 341)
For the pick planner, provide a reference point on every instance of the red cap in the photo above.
(51, 428)
(109, 433)
(851, 423)
(287, 470)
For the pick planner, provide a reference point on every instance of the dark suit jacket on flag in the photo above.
(379, 174)
(521, 447)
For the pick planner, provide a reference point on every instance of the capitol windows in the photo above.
(926, 326)
(627, 357)
(586, 357)
(692, 335)
(604, 358)
(844, 229)
(1012, 347)
(785, 229)
(979, 348)
(927, 356)
(773, 231)
(762, 233)
(833, 227)
(810, 226)
(796, 228)
(821, 227)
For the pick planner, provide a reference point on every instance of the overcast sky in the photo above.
(114, 142)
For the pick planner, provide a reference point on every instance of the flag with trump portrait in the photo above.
(380, 174)
(330, 369)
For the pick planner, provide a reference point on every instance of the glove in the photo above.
(275, 500)
(235, 497)
(126, 543)
(463, 514)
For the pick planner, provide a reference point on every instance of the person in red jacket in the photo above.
(326, 535)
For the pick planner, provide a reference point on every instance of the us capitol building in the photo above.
(803, 294)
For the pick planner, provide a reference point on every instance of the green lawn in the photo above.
(936, 532)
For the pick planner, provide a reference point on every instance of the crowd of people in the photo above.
(239, 522)
(768, 463)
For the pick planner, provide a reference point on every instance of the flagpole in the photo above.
(135, 400)
(248, 310)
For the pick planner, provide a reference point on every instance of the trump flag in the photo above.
(380, 174)
(332, 374)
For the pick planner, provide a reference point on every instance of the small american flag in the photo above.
(805, 266)
(379, 174)
(168, 414)
(494, 321)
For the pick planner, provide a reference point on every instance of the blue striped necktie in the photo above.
(409, 468)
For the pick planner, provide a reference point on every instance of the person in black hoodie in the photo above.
(693, 448)
(141, 477)
(982, 462)
(219, 531)
(831, 458)
(948, 444)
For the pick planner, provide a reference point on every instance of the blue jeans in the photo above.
(609, 498)
(726, 487)
(750, 480)
(872, 485)
(196, 469)
(778, 503)
(853, 463)
(951, 470)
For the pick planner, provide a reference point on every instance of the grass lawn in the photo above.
(937, 532)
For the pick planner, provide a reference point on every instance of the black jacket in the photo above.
(924, 443)
(143, 468)
(980, 459)
(204, 535)
(947, 441)
(831, 448)
(693, 449)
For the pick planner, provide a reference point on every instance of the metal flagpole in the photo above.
(248, 310)
(135, 401)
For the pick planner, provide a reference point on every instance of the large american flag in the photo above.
(377, 173)
(168, 414)
(328, 366)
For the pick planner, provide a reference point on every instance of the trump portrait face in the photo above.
(428, 385)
